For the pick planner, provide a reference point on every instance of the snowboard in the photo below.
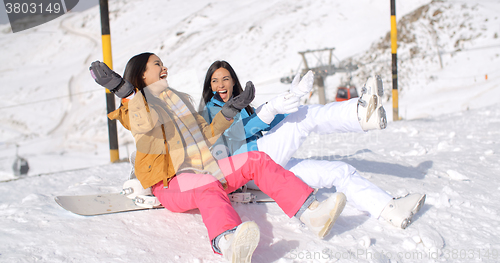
(100, 204)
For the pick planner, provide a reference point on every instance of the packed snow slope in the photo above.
(452, 158)
(446, 144)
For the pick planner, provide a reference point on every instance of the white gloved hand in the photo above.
(302, 87)
(284, 103)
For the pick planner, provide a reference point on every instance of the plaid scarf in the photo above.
(197, 151)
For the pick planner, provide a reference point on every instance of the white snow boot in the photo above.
(320, 217)
(132, 188)
(399, 212)
(142, 197)
(371, 113)
(239, 246)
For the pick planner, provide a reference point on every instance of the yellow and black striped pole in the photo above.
(110, 98)
(394, 48)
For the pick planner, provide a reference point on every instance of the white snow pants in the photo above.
(284, 139)
(281, 143)
(361, 193)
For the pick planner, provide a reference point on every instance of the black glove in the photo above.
(236, 104)
(109, 79)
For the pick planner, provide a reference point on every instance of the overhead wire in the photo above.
(49, 99)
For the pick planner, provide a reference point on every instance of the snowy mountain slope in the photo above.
(433, 40)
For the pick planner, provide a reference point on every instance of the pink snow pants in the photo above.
(207, 194)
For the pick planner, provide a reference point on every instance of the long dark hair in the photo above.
(207, 93)
(134, 71)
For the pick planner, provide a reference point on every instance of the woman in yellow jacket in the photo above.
(174, 159)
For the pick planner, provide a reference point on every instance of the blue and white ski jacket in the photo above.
(246, 129)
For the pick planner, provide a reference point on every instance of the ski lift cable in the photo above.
(50, 173)
(49, 99)
(15, 142)
(318, 60)
(336, 57)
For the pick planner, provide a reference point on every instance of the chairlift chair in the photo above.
(346, 93)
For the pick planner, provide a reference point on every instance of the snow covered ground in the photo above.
(446, 146)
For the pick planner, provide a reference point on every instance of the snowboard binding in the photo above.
(142, 197)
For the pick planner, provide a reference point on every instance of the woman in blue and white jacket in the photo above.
(287, 125)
